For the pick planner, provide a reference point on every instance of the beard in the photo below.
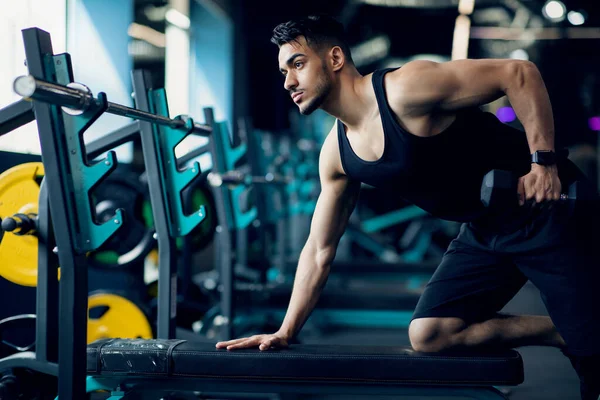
(322, 89)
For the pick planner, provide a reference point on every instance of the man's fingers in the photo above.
(530, 191)
(556, 195)
(540, 196)
(251, 342)
(265, 345)
(222, 345)
(263, 342)
(557, 190)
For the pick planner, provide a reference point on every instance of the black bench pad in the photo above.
(359, 364)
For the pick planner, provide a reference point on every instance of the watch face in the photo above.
(544, 157)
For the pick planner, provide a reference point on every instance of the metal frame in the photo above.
(110, 141)
(223, 248)
(214, 386)
(15, 115)
(73, 285)
(167, 251)
(47, 307)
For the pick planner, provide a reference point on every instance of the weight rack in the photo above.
(69, 177)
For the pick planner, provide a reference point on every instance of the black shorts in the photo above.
(491, 259)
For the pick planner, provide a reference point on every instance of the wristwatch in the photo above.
(544, 157)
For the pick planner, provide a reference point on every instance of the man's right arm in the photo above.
(335, 204)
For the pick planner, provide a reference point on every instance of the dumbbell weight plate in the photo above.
(19, 193)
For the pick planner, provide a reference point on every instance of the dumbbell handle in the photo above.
(20, 224)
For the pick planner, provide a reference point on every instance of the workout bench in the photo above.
(134, 365)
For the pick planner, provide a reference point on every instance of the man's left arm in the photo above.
(425, 88)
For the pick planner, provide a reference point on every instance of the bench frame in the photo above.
(120, 386)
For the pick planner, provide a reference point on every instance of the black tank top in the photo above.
(441, 174)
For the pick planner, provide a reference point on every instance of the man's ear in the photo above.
(337, 58)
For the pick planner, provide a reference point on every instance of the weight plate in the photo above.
(130, 245)
(193, 197)
(114, 316)
(19, 193)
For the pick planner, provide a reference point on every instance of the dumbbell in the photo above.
(500, 188)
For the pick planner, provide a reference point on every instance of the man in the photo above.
(418, 131)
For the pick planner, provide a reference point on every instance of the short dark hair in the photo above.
(319, 30)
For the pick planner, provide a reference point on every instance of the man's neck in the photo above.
(348, 101)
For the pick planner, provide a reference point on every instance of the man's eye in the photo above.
(298, 64)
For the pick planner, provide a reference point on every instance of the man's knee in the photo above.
(431, 335)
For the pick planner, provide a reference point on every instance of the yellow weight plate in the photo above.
(121, 319)
(19, 193)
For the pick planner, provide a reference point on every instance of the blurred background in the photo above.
(217, 53)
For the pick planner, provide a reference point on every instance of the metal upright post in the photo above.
(73, 284)
(224, 255)
(46, 345)
(167, 252)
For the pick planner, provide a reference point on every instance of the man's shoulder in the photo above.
(409, 72)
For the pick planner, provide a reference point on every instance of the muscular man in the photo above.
(417, 131)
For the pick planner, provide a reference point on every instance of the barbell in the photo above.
(76, 98)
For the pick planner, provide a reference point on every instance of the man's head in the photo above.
(311, 51)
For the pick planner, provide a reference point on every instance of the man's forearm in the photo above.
(308, 284)
(528, 96)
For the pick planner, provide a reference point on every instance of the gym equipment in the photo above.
(15, 115)
(19, 193)
(69, 180)
(76, 99)
(500, 189)
(166, 184)
(151, 366)
(114, 316)
(128, 247)
(16, 322)
(110, 316)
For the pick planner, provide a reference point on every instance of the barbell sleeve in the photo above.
(36, 89)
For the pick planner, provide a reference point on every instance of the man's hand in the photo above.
(263, 342)
(541, 184)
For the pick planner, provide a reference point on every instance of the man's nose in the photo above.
(290, 82)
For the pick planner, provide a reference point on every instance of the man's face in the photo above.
(306, 75)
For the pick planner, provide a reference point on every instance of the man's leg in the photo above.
(502, 331)
(460, 304)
